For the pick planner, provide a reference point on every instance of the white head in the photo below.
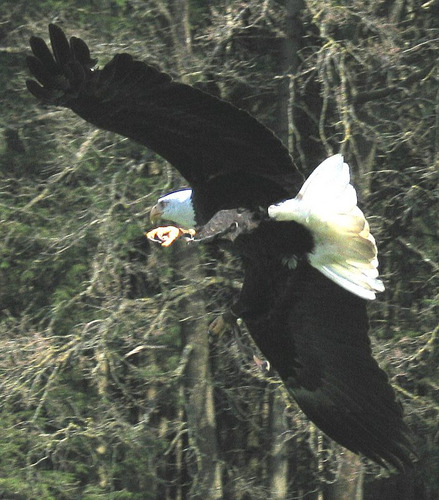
(175, 207)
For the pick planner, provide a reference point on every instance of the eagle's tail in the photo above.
(345, 250)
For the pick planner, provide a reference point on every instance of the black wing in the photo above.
(228, 157)
(314, 334)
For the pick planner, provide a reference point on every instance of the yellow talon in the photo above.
(166, 235)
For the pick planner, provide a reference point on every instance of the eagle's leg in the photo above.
(166, 235)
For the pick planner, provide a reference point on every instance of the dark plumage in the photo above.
(312, 331)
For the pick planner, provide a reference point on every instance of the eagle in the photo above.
(309, 259)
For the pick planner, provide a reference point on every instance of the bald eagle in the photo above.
(309, 258)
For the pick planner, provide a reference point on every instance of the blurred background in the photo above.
(110, 386)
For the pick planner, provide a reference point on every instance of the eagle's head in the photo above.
(175, 207)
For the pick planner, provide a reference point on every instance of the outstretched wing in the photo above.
(229, 158)
(314, 334)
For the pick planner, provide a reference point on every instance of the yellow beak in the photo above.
(155, 214)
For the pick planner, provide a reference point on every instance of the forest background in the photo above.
(110, 386)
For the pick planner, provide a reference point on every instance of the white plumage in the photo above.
(345, 250)
(177, 207)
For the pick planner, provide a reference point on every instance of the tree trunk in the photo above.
(289, 64)
(198, 385)
(349, 485)
(198, 389)
(279, 450)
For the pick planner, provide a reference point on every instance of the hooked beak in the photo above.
(155, 214)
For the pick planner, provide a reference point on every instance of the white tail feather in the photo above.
(344, 251)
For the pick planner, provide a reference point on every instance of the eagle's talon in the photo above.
(166, 235)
